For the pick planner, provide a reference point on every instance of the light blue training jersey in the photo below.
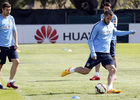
(114, 21)
(7, 26)
(100, 37)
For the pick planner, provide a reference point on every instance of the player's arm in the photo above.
(90, 42)
(16, 39)
(122, 33)
(15, 34)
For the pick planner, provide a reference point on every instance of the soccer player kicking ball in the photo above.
(7, 48)
(107, 6)
(99, 45)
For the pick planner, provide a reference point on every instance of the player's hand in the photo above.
(16, 46)
(94, 57)
(134, 32)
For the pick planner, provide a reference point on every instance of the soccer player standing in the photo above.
(7, 47)
(99, 45)
(107, 6)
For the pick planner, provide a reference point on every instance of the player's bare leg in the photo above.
(12, 73)
(14, 68)
(112, 72)
(81, 70)
(115, 61)
(97, 68)
(96, 77)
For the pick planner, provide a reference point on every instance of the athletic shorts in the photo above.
(104, 58)
(7, 51)
(113, 48)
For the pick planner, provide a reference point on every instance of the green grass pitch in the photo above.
(38, 75)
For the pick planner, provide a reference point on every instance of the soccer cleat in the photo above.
(113, 91)
(95, 78)
(11, 85)
(1, 87)
(65, 72)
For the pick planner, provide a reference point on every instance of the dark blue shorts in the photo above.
(104, 58)
(113, 48)
(7, 51)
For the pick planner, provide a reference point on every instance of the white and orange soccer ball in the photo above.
(100, 88)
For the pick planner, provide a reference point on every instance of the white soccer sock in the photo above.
(72, 70)
(0, 83)
(110, 87)
(10, 80)
(97, 74)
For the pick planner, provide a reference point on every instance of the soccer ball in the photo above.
(100, 88)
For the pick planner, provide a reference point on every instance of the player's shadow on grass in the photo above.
(59, 93)
(49, 81)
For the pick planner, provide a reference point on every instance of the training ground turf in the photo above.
(38, 75)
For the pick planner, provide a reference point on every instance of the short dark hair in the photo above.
(107, 4)
(109, 12)
(6, 4)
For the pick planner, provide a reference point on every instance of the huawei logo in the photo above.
(50, 34)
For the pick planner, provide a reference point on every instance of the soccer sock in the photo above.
(110, 87)
(97, 74)
(10, 80)
(72, 70)
(0, 83)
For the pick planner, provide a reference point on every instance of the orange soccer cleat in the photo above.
(65, 72)
(113, 91)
